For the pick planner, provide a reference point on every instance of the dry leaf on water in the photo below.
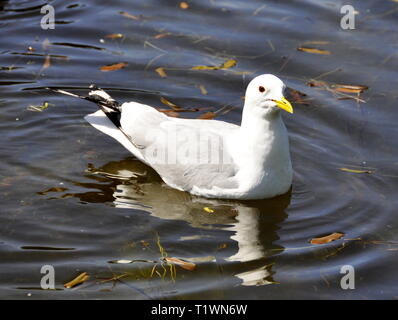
(207, 116)
(114, 36)
(170, 104)
(184, 5)
(78, 280)
(162, 35)
(297, 96)
(161, 72)
(203, 89)
(355, 170)
(130, 16)
(47, 62)
(183, 264)
(226, 65)
(349, 88)
(313, 50)
(331, 237)
(114, 67)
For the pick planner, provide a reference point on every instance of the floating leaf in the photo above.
(331, 237)
(183, 264)
(229, 64)
(78, 280)
(47, 62)
(355, 170)
(297, 96)
(313, 50)
(207, 116)
(114, 67)
(162, 35)
(207, 209)
(350, 88)
(161, 72)
(226, 65)
(114, 36)
(170, 104)
(184, 5)
(130, 16)
(316, 83)
(44, 106)
(203, 89)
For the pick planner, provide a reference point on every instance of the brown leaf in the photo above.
(114, 36)
(183, 264)
(162, 35)
(208, 116)
(161, 72)
(297, 96)
(316, 83)
(47, 62)
(350, 88)
(114, 67)
(170, 104)
(78, 280)
(329, 238)
(226, 65)
(130, 16)
(184, 5)
(313, 50)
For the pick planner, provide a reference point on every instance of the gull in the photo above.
(207, 158)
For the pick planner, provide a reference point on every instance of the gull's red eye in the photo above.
(261, 89)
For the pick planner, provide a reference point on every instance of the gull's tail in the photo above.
(105, 102)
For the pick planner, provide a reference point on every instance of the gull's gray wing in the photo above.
(186, 153)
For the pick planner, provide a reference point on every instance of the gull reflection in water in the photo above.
(253, 224)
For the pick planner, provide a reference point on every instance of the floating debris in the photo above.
(83, 277)
(355, 170)
(226, 65)
(313, 50)
(114, 67)
(40, 108)
(190, 266)
(203, 89)
(184, 5)
(329, 238)
(161, 72)
(114, 36)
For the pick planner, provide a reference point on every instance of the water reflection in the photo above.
(253, 225)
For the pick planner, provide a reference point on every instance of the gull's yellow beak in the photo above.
(284, 104)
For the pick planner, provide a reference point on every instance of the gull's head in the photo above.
(264, 95)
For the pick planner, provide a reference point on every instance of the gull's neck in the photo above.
(261, 151)
(259, 128)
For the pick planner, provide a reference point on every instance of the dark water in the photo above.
(73, 198)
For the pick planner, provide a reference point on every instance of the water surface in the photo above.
(73, 198)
